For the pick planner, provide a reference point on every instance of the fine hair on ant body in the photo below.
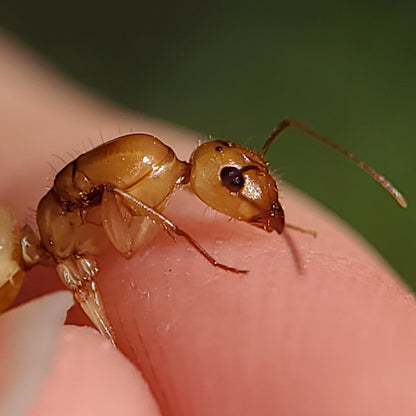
(114, 195)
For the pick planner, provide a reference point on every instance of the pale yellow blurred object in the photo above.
(11, 273)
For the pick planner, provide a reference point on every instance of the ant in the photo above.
(115, 195)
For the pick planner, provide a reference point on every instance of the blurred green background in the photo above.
(236, 68)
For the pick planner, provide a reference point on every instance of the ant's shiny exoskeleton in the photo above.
(115, 195)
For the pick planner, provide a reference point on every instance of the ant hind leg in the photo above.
(78, 275)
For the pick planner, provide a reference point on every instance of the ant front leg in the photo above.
(140, 209)
(78, 275)
(302, 230)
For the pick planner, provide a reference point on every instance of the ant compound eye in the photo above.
(232, 178)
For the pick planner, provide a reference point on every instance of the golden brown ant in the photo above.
(115, 195)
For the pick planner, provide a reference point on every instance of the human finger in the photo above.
(270, 338)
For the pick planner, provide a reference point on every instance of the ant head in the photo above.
(236, 181)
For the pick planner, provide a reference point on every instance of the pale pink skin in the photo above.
(337, 339)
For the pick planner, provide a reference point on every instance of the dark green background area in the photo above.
(234, 69)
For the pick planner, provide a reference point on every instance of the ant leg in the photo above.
(294, 251)
(125, 230)
(302, 230)
(78, 275)
(141, 209)
(31, 252)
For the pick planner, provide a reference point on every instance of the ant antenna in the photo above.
(379, 178)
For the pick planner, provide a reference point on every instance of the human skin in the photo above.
(336, 337)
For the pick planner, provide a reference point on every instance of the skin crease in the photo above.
(338, 338)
